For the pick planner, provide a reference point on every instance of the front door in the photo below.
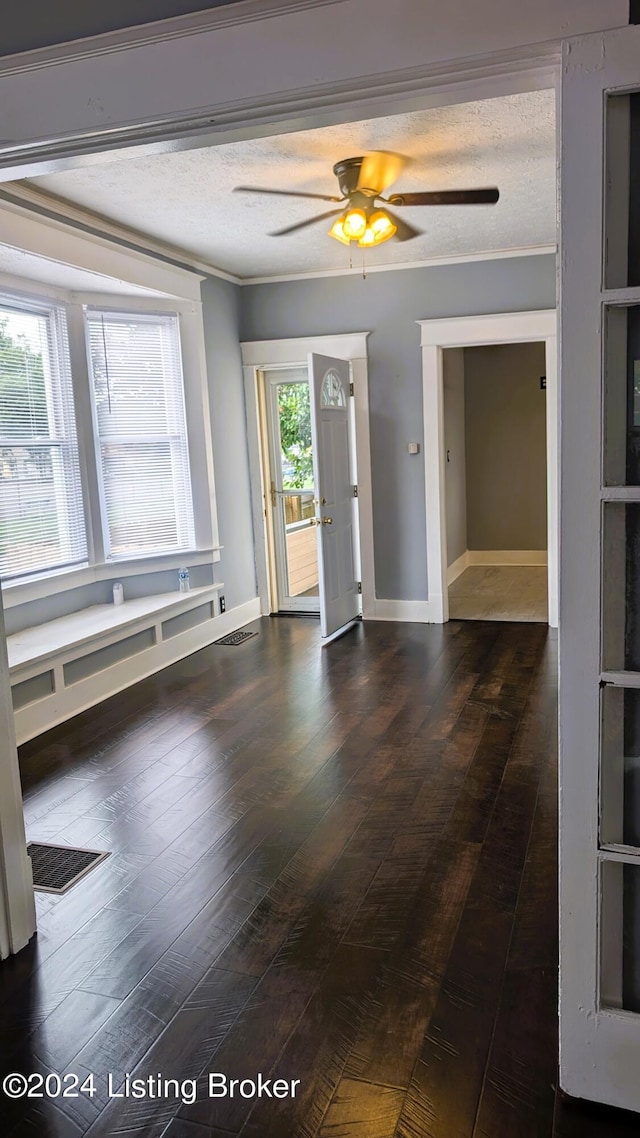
(339, 600)
(600, 569)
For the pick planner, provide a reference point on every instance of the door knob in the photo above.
(327, 521)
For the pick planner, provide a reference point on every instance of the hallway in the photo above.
(334, 864)
(500, 592)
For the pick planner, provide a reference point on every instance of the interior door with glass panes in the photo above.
(291, 490)
(600, 569)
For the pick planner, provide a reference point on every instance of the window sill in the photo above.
(16, 593)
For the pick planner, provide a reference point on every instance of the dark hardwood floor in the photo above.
(333, 865)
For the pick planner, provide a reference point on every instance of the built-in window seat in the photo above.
(59, 668)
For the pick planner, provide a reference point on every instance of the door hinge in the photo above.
(351, 391)
(355, 491)
(359, 586)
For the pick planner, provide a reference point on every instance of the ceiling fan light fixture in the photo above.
(354, 224)
(337, 231)
(379, 228)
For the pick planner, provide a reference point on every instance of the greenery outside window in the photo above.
(42, 523)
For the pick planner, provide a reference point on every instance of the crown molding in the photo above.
(64, 212)
(401, 266)
(61, 211)
(157, 31)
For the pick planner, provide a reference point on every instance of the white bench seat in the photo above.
(61, 667)
(46, 641)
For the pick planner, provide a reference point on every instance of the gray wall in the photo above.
(220, 300)
(36, 23)
(505, 447)
(388, 304)
(455, 464)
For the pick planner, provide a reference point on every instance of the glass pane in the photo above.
(301, 545)
(622, 397)
(332, 393)
(621, 587)
(620, 797)
(294, 414)
(620, 936)
(622, 237)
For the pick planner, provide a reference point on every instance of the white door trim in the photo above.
(259, 354)
(469, 331)
(17, 906)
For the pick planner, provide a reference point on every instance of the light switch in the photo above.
(413, 448)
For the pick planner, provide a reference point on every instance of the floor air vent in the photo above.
(57, 868)
(236, 637)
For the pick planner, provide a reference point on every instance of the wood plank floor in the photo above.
(336, 865)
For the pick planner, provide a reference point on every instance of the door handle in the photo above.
(327, 521)
(273, 494)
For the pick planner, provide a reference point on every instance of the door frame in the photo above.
(467, 332)
(260, 354)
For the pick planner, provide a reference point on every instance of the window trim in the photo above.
(90, 312)
(207, 546)
(53, 310)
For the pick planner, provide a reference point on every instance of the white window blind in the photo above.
(138, 398)
(42, 524)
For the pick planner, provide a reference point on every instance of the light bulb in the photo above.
(380, 228)
(355, 224)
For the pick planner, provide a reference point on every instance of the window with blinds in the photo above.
(139, 418)
(42, 523)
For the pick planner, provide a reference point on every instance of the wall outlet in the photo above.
(223, 607)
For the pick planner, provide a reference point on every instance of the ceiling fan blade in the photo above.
(487, 196)
(285, 193)
(404, 231)
(380, 168)
(304, 224)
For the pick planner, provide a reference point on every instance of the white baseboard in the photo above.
(507, 556)
(457, 567)
(417, 612)
(237, 617)
(495, 557)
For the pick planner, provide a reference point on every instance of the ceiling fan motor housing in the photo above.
(347, 172)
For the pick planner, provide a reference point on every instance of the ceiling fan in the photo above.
(362, 181)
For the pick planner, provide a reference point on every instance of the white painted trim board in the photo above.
(470, 331)
(260, 354)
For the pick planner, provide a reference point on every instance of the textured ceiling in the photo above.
(186, 198)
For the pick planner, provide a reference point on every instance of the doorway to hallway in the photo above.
(461, 333)
(494, 407)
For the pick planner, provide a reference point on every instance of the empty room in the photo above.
(318, 543)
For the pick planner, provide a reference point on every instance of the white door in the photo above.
(600, 569)
(339, 600)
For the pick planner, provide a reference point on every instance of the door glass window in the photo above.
(332, 392)
(622, 259)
